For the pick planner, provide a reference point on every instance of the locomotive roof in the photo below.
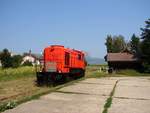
(71, 50)
(56, 46)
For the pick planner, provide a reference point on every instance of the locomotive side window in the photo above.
(79, 57)
(67, 58)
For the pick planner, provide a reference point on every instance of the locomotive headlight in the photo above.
(59, 71)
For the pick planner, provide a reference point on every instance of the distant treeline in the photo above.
(138, 45)
(7, 60)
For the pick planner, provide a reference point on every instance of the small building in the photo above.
(123, 60)
(33, 58)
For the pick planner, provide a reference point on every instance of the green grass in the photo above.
(15, 73)
(17, 83)
(131, 72)
(105, 65)
(108, 103)
(93, 71)
(8, 105)
(109, 100)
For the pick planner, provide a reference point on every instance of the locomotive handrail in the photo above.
(39, 67)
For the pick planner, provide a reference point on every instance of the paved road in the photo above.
(132, 95)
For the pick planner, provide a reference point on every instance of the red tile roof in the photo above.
(120, 57)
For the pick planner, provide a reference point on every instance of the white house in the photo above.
(33, 58)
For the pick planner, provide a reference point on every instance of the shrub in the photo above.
(9, 105)
(27, 63)
(146, 67)
(16, 61)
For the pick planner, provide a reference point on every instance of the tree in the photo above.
(10, 61)
(16, 61)
(135, 44)
(109, 43)
(118, 44)
(145, 44)
(115, 44)
(6, 59)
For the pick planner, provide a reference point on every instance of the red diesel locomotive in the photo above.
(59, 63)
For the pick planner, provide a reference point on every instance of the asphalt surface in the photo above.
(132, 95)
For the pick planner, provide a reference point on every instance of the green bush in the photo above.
(27, 63)
(8, 105)
(16, 61)
(146, 67)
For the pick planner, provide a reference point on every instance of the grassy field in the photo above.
(16, 73)
(18, 85)
(93, 71)
(129, 72)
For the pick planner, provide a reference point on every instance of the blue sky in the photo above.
(79, 24)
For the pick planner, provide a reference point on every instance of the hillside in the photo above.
(93, 60)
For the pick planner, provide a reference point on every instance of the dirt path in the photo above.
(90, 96)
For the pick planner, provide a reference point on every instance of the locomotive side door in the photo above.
(67, 59)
